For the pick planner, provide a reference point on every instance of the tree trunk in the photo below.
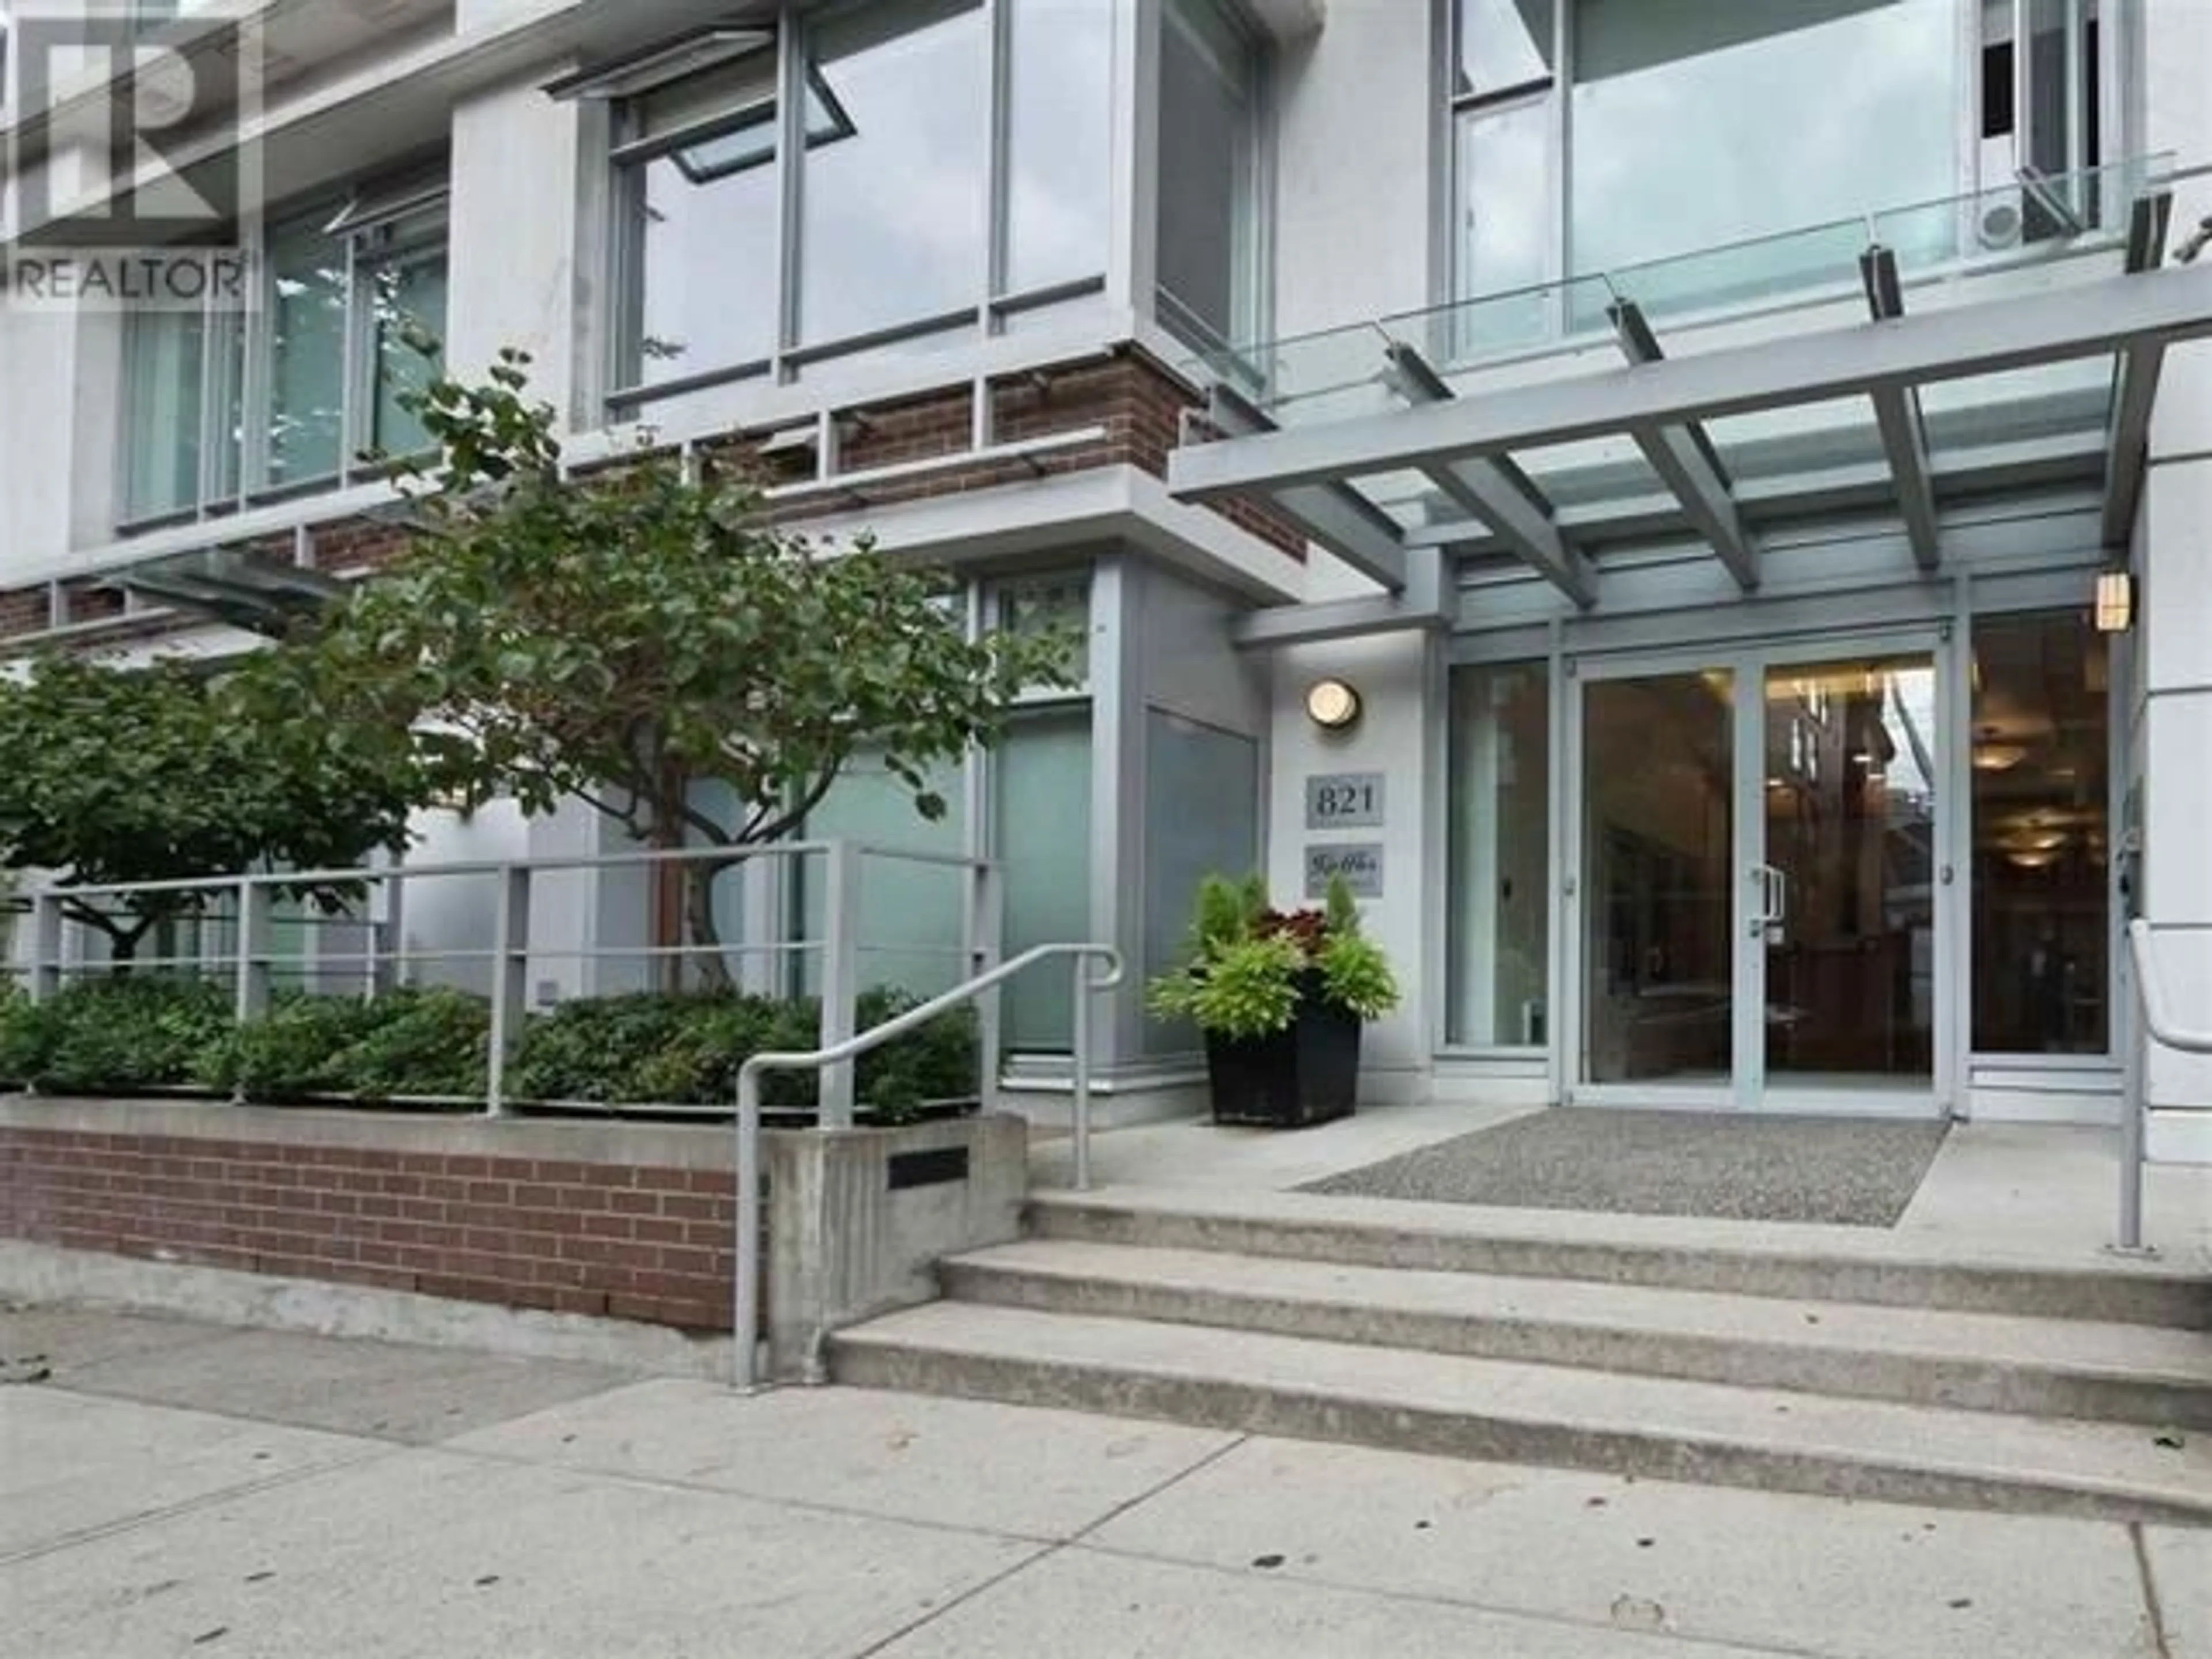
(699, 916)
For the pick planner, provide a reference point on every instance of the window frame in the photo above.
(233, 473)
(800, 83)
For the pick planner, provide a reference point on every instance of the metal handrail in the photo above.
(746, 1329)
(2158, 1021)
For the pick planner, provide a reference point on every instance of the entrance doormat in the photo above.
(1853, 1172)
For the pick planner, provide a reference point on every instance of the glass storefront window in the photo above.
(2042, 922)
(1499, 930)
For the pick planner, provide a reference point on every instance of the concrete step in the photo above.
(1788, 1262)
(1501, 1411)
(1981, 1362)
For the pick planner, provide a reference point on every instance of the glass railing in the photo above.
(1944, 249)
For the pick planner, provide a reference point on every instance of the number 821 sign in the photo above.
(1344, 801)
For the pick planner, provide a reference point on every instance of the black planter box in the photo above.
(1307, 1074)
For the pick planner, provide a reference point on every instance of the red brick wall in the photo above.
(621, 1241)
(25, 610)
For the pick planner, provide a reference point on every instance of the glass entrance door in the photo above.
(1846, 879)
(1659, 831)
(1755, 919)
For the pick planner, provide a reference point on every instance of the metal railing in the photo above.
(746, 1326)
(375, 956)
(2159, 1022)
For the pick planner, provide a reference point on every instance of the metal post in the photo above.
(1082, 1109)
(510, 966)
(746, 1314)
(256, 917)
(840, 975)
(990, 1014)
(46, 944)
(2132, 1104)
(388, 936)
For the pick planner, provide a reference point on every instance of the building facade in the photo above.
(1627, 482)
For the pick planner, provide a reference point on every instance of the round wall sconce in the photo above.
(1332, 705)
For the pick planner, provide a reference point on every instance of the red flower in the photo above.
(1307, 928)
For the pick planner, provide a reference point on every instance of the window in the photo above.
(2042, 757)
(2041, 119)
(1595, 136)
(1209, 254)
(222, 407)
(830, 186)
(1498, 927)
(903, 193)
(1041, 773)
(1035, 605)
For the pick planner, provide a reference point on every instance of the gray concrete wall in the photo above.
(844, 1247)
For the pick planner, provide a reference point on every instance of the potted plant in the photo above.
(1280, 996)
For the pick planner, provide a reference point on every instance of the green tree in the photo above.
(621, 634)
(169, 771)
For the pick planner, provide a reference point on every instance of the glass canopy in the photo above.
(1931, 348)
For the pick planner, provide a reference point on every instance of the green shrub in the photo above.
(112, 1035)
(593, 1049)
(654, 1048)
(1248, 965)
(940, 1062)
(118, 1035)
(431, 1041)
(295, 1049)
(408, 1042)
(20, 1035)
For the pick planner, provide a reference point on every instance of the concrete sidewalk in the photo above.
(172, 1488)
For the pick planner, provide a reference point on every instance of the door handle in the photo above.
(1773, 898)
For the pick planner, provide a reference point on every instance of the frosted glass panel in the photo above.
(167, 351)
(912, 915)
(1498, 924)
(1043, 769)
(1201, 818)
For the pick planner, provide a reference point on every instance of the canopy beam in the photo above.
(1492, 488)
